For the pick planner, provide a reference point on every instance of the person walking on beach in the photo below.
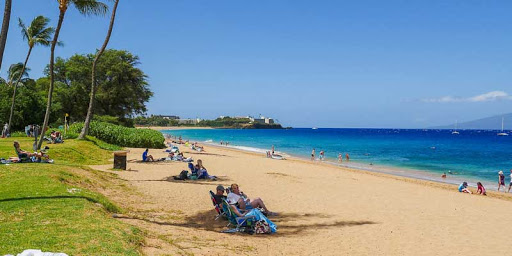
(340, 158)
(272, 149)
(510, 184)
(501, 180)
(313, 155)
(347, 157)
(321, 155)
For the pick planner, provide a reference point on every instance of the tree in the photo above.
(5, 28)
(85, 7)
(122, 89)
(88, 119)
(38, 33)
(15, 73)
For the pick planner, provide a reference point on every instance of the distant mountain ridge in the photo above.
(488, 123)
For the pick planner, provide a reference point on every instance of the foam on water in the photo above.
(473, 155)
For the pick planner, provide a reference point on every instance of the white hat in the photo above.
(500, 172)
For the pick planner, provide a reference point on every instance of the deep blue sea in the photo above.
(472, 153)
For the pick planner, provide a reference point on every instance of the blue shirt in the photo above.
(461, 187)
(144, 156)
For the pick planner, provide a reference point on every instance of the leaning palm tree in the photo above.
(85, 129)
(15, 73)
(85, 7)
(5, 28)
(38, 33)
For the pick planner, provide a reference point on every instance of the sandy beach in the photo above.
(323, 209)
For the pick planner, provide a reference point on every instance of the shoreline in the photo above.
(452, 180)
(323, 209)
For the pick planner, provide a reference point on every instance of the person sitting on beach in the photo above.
(501, 180)
(236, 197)
(202, 173)
(480, 189)
(464, 188)
(219, 195)
(25, 154)
(146, 157)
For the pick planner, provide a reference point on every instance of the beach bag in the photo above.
(183, 175)
(262, 227)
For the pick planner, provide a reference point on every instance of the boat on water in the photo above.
(502, 133)
(455, 130)
(314, 128)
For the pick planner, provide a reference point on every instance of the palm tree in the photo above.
(14, 73)
(85, 129)
(38, 33)
(85, 7)
(5, 28)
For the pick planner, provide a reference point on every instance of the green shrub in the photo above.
(123, 136)
(18, 134)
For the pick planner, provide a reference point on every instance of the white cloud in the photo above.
(486, 97)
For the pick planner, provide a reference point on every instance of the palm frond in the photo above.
(24, 31)
(14, 72)
(90, 7)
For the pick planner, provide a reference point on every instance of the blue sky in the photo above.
(409, 64)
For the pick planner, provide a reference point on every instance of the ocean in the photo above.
(473, 155)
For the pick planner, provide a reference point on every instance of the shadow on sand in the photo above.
(205, 221)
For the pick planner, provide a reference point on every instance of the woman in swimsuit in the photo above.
(501, 180)
(24, 154)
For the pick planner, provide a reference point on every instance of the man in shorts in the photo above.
(236, 197)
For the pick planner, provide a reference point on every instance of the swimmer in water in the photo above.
(443, 176)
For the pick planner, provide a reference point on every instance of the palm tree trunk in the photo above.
(52, 77)
(16, 86)
(85, 129)
(5, 28)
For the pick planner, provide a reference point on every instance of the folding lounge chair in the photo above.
(218, 206)
(242, 224)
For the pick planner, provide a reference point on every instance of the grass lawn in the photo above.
(48, 206)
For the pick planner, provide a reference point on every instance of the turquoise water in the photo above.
(475, 154)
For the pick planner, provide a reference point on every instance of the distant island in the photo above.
(246, 122)
(488, 123)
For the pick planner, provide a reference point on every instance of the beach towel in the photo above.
(259, 216)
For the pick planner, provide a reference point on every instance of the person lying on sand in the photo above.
(464, 188)
(236, 197)
(146, 157)
(481, 189)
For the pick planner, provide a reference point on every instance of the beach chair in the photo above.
(243, 224)
(218, 206)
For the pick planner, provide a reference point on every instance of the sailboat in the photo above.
(455, 131)
(502, 133)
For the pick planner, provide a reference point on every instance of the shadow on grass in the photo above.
(205, 221)
(90, 199)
